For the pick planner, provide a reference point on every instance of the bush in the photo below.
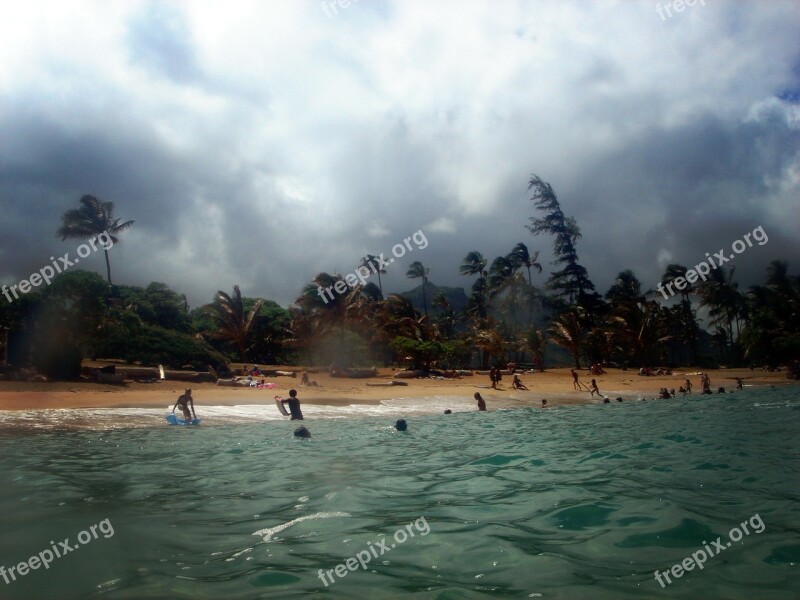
(152, 345)
(57, 360)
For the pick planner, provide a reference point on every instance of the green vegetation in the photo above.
(504, 316)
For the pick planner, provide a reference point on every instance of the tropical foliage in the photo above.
(506, 314)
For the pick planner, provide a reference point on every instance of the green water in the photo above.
(578, 502)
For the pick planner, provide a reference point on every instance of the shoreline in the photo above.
(555, 385)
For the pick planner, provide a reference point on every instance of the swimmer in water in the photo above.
(401, 425)
(302, 432)
(481, 401)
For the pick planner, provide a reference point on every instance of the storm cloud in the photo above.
(258, 143)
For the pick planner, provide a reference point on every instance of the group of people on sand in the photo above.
(496, 376)
(578, 385)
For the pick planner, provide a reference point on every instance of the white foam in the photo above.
(270, 531)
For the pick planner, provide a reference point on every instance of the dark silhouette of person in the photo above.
(481, 401)
(401, 425)
(302, 432)
(294, 406)
(185, 401)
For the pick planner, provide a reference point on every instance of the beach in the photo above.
(554, 385)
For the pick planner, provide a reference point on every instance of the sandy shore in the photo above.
(555, 385)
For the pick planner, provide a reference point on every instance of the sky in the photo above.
(261, 142)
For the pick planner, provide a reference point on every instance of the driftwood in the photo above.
(410, 374)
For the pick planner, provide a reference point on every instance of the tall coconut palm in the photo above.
(522, 258)
(233, 323)
(417, 271)
(719, 293)
(689, 329)
(373, 262)
(92, 219)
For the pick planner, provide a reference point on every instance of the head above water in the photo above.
(447, 411)
(302, 432)
(401, 425)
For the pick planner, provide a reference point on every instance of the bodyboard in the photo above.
(175, 420)
(281, 407)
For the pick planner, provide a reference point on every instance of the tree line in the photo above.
(504, 315)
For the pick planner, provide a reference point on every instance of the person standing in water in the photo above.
(595, 388)
(481, 401)
(185, 401)
(294, 406)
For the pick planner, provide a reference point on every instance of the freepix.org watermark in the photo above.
(677, 6)
(697, 559)
(362, 273)
(331, 5)
(380, 548)
(45, 557)
(46, 273)
(702, 269)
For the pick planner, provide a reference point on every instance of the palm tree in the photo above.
(719, 293)
(474, 263)
(535, 341)
(521, 258)
(416, 271)
(373, 262)
(689, 328)
(772, 331)
(233, 323)
(568, 332)
(91, 220)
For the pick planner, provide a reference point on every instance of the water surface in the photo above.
(572, 502)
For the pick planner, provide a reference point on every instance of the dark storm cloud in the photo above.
(261, 143)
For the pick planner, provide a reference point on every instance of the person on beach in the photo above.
(185, 401)
(481, 401)
(705, 381)
(595, 388)
(493, 377)
(544, 403)
(294, 406)
(688, 386)
(575, 383)
(517, 383)
(739, 384)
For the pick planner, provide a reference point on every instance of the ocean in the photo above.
(570, 502)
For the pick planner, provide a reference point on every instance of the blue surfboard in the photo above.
(174, 420)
